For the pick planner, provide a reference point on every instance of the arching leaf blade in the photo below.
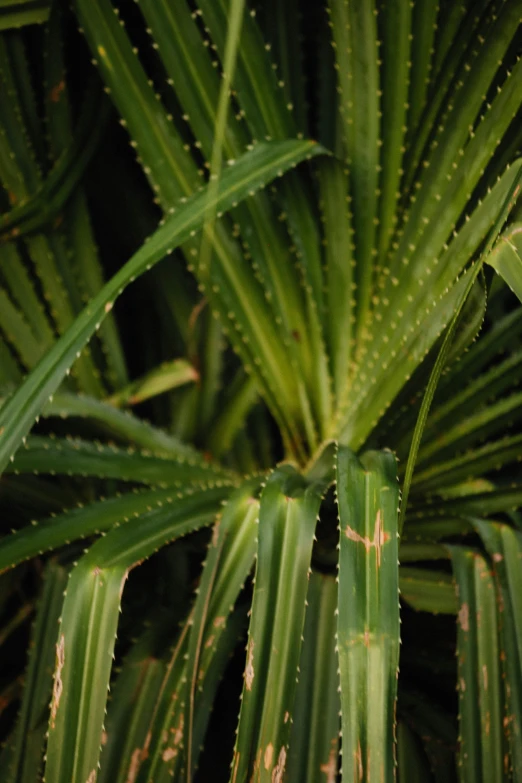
(254, 170)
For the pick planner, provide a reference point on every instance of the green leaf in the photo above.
(338, 242)
(229, 561)
(17, 13)
(506, 258)
(428, 591)
(268, 116)
(23, 293)
(394, 22)
(133, 698)
(170, 375)
(368, 612)
(161, 755)
(314, 742)
(287, 518)
(81, 458)
(485, 459)
(254, 170)
(29, 736)
(96, 518)
(446, 344)
(504, 547)
(354, 27)
(87, 634)
(487, 502)
(44, 206)
(481, 750)
(412, 764)
(247, 311)
(119, 424)
(424, 26)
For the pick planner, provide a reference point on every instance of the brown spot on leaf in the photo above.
(464, 617)
(134, 766)
(58, 684)
(380, 537)
(178, 731)
(287, 715)
(219, 622)
(249, 668)
(269, 755)
(497, 557)
(92, 777)
(215, 534)
(366, 638)
(108, 307)
(235, 767)
(169, 754)
(485, 676)
(358, 761)
(256, 767)
(279, 769)
(56, 91)
(330, 768)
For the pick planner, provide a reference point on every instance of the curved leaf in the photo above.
(506, 258)
(251, 172)
(87, 633)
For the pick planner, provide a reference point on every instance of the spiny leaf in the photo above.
(506, 258)
(504, 546)
(368, 612)
(87, 633)
(314, 742)
(287, 519)
(255, 169)
(480, 687)
(120, 424)
(28, 740)
(428, 591)
(169, 376)
(82, 458)
(96, 518)
(229, 560)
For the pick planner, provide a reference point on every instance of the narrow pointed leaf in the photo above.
(229, 560)
(368, 612)
(169, 376)
(314, 743)
(506, 258)
(82, 458)
(481, 751)
(17, 13)
(287, 519)
(97, 518)
(29, 736)
(254, 170)
(504, 546)
(87, 634)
